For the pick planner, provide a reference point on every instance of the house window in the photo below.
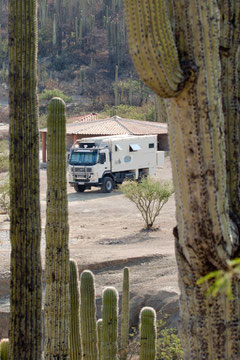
(151, 145)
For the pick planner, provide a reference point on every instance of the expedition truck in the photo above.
(106, 161)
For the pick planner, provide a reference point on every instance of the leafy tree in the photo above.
(49, 94)
(149, 196)
(188, 52)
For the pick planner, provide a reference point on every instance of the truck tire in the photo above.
(108, 184)
(79, 188)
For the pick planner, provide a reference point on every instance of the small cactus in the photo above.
(74, 331)
(125, 314)
(88, 316)
(110, 324)
(147, 333)
(99, 333)
(4, 349)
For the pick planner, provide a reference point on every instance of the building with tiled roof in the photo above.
(90, 126)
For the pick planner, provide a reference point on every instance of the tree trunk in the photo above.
(175, 47)
(25, 226)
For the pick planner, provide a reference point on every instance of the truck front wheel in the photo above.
(108, 184)
(79, 188)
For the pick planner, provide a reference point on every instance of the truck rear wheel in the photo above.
(79, 188)
(108, 184)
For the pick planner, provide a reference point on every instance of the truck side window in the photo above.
(151, 145)
(102, 158)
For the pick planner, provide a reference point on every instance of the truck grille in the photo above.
(82, 169)
(81, 172)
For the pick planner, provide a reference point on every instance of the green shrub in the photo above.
(49, 94)
(43, 121)
(145, 112)
(168, 344)
(4, 157)
(149, 196)
(4, 197)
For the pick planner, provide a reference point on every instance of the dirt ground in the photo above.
(106, 234)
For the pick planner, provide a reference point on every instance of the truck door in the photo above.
(104, 159)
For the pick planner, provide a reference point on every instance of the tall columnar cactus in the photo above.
(25, 225)
(188, 51)
(147, 333)
(57, 233)
(4, 349)
(110, 324)
(88, 316)
(74, 329)
(99, 334)
(125, 314)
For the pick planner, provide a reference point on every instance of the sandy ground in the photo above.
(106, 234)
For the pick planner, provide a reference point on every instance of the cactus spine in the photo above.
(57, 232)
(99, 333)
(125, 314)
(147, 333)
(4, 349)
(88, 316)
(74, 332)
(25, 224)
(110, 324)
(176, 53)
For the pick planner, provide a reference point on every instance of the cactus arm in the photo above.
(110, 324)
(4, 349)
(125, 314)
(153, 48)
(74, 331)
(25, 225)
(99, 332)
(57, 233)
(147, 333)
(88, 316)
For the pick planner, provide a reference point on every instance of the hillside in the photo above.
(82, 51)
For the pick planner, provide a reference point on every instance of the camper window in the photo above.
(134, 147)
(118, 147)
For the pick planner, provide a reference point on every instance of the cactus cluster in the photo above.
(99, 339)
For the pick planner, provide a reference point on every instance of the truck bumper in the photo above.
(87, 184)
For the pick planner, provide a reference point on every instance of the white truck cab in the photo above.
(107, 160)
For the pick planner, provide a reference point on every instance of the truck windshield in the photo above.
(83, 158)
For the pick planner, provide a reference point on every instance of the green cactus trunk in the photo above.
(74, 331)
(110, 324)
(57, 232)
(125, 314)
(25, 226)
(176, 53)
(88, 316)
(147, 334)
(99, 333)
(4, 349)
